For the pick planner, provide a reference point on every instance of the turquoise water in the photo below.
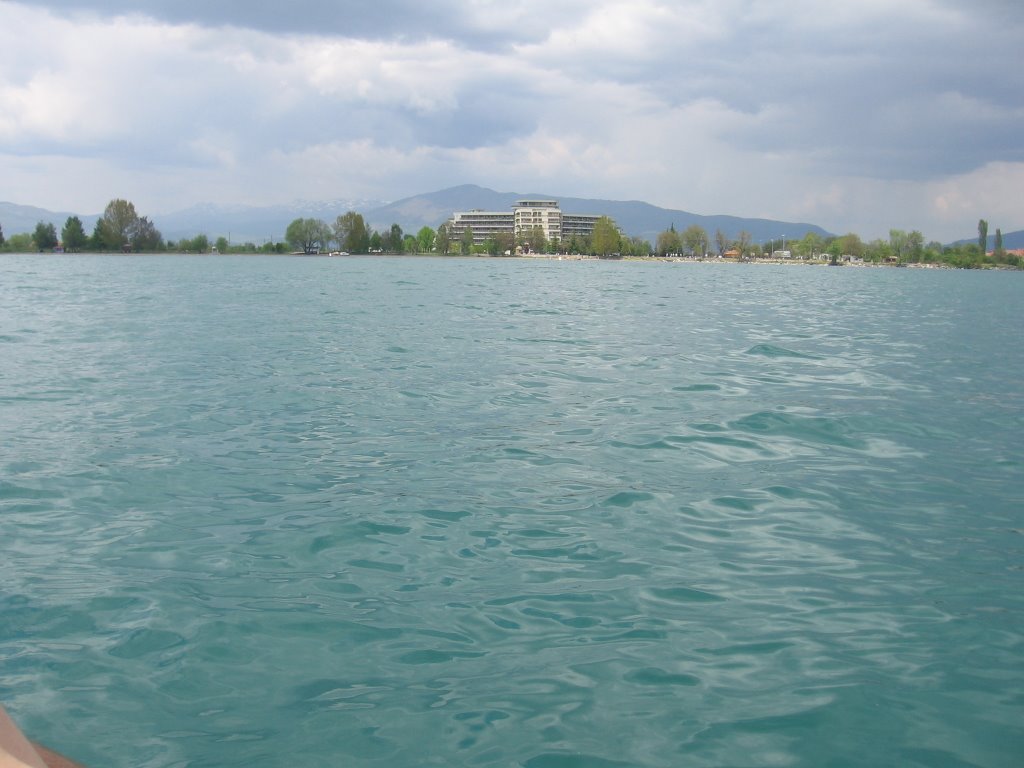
(401, 512)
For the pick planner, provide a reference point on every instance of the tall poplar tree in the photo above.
(442, 240)
(983, 236)
(396, 239)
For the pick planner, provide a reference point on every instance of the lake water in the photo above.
(423, 512)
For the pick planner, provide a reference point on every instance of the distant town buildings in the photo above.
(525, 217)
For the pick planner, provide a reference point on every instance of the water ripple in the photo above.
(503, 512)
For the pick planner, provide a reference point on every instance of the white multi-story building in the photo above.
(485, 225)
(525, 216)
(531, 214)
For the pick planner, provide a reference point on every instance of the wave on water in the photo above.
(408, 512)
(771, 350)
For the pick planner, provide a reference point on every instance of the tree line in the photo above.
(350, 234)
(122, 229)
(119, 229)
(902, 247)
(606, 241)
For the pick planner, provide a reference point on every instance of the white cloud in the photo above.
(424, 76)
(847, 115)
(991, 192)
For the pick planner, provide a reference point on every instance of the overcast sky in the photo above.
(857, 115)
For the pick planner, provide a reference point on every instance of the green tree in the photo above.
(117, 225)
(20, 243)
(606, 239)
(45, 236)
(999, 253)
(376, 242)
(394, 239)
(721, 242)
(636, 246)
(425, 239)
(96, 242)
(308, 235)
(915, 246)
(505, 242)
(146, 236)
(222, 245)
(350, 233)
(467, 241)
(442, 240)
(850, 245)
(810, 245)
(745, 244)
(500, 245)
(983, 236)
(932, 251)
(73, 234)
(410, 244)
(898, 244)
(965, 256)
(669, 241)
(879, 250)
(695, 240)
(535, 240)
(2, 240)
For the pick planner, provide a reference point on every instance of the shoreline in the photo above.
(540, 256)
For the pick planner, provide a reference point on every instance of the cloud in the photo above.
(477, 24)
(782, 109)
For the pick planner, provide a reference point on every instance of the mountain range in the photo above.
(258, 224)
(635, 218)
